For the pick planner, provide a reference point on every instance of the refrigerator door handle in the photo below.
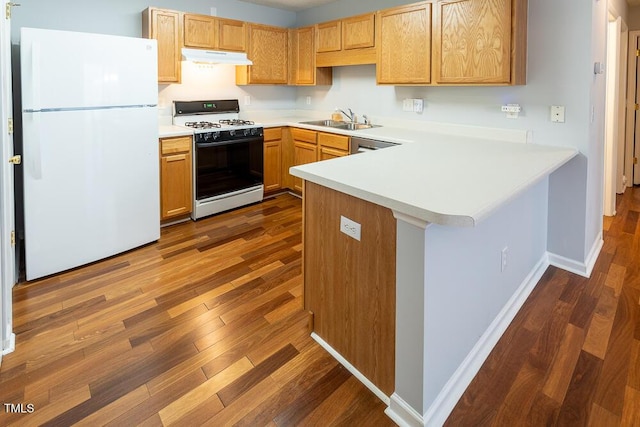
(32, 151)
(35, 75)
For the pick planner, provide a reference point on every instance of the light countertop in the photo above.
(166, 131)
(443, 179)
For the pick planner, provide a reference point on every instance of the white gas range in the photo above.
(227, 155)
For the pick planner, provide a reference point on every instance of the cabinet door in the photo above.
(175, 177)
(358, 32)
(231, 35)
(327, 153)
(329, 36)
(165, 26)
(473, 42)
(199, 31)
(404, 45)
(272, 159)
(303, 153)
(305, 56)
(268, 49)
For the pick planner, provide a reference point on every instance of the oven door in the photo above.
(223, 167)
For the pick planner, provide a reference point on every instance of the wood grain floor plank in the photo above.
(631, 407)
(171, 413)
(564, 364)
(241, 385)
(575, 406)
(600, 417)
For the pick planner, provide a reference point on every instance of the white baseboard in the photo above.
(448, 397)
(402, 413)
(364, 380)
(9, 346)
(580, 268)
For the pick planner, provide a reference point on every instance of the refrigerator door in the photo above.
(62, 70)
(90, 186)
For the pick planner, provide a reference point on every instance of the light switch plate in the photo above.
(350, 228)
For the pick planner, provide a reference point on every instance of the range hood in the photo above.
(215, 57)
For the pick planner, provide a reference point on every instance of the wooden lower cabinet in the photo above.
(331, 146)
(305, 150)
(175, 177)
(272, 159)
(350, 285)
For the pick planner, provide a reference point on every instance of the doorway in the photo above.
(614, 148)
(632, 149)
(7, 237)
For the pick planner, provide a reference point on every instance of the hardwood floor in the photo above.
(571, 357)
(206, 327)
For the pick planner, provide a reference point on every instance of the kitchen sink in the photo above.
(340, 124)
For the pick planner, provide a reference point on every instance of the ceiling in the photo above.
(295, 5)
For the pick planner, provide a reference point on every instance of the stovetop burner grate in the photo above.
(236, 122)
(202, 125)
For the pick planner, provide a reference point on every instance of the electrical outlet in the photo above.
(247, 100)
(308, 100)
(407, 105)
(557, 113)
(503, 258)
(350, 227)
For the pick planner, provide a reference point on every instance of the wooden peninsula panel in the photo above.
(350, 284)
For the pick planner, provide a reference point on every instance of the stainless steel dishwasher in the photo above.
(362, 145)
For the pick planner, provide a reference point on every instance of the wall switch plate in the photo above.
(308, 100)
(214, 11)
(557, 113)
(247, 100)
(407, 105)
(418, 105)
(350, 228)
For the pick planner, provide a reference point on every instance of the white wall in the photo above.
(218, 82)
(122, 17)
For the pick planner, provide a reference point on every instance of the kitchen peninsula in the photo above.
(417, 257)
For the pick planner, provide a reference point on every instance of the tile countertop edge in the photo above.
(469, 218)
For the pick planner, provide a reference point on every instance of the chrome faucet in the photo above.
(350, 116)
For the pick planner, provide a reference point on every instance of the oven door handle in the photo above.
(230, 142)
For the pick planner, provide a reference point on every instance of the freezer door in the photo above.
(90, 186)
(69, 70)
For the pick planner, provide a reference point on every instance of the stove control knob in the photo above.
(205, 137)
(254, 131)
(215, 135)
(245, 132)
(232, 132)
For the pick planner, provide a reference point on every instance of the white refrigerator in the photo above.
(90, 147)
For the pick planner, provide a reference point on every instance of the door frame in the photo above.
(632, 99)
(7, 211)
(612, 139)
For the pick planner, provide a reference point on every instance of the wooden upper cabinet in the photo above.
(231, 35)
(199, 31)
(480, 42)
(303, 59)
(268, 49)
(348, 41)
(329, 36)
(358, 32)
(165, 26)
(404, 45)
(210, 32)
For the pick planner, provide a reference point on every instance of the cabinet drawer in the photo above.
(340, 142)
(303, 135)
(272, 134)
(181, 144)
